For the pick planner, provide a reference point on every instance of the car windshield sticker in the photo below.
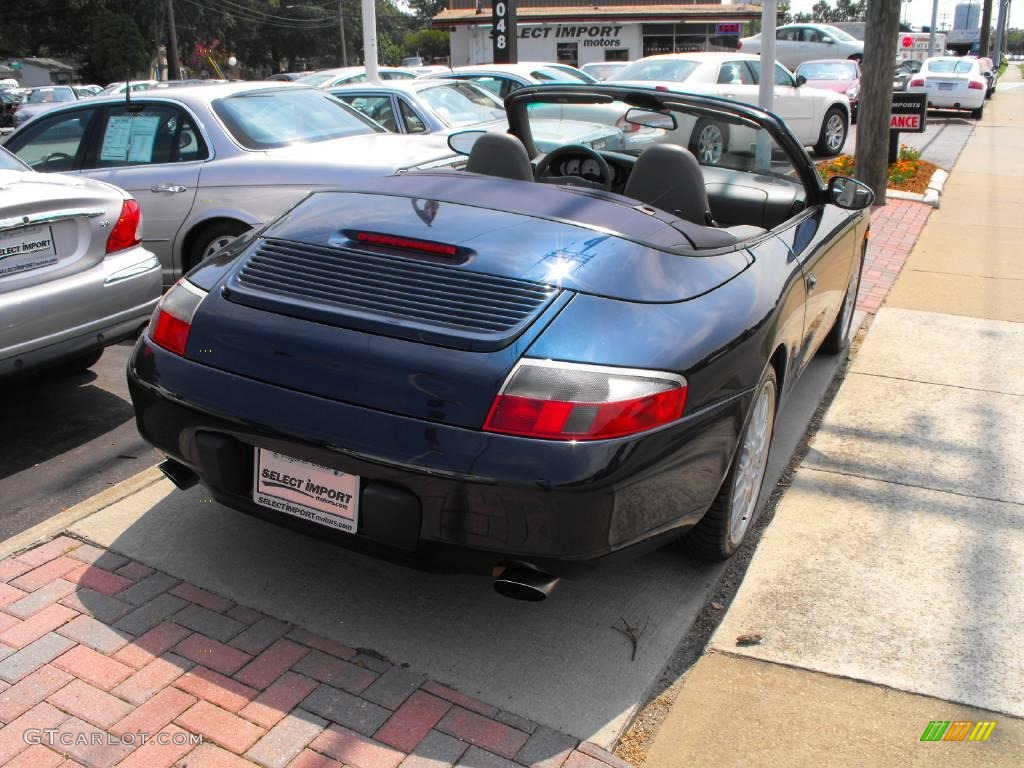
(130, 138)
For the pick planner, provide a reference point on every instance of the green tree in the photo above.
(428, 43)
(114, 49)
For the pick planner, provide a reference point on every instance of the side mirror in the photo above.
(462, 142)
(800, 80)
(827, 40)
(850, 194)
(648, 118)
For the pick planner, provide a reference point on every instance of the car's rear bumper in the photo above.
(970, 99)
(440, 496)
(111, 301)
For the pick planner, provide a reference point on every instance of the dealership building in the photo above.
(623, 30)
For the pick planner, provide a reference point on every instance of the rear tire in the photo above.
(833, 133)
(979, 112)
(709, 141)
(212, 238)
(731, 515)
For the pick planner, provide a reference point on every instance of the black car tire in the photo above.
(822, 148)
(218, 234)
(703, 133)
(715, 537)
(838, 339)
(80, 362)
(979, 112)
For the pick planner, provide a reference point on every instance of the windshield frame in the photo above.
(237, 134)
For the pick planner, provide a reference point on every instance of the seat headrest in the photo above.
(500, 154)
(669, 177)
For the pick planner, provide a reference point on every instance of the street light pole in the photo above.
(931, 29)
(341, 30)
(370, 40)
(766, 80)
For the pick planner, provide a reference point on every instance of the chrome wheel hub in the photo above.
(752, 461)
(216, 244)
(835, 132)
(709, 145)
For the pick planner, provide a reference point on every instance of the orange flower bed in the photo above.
(908, 174)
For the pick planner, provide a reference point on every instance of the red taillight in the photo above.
(172, 320)
(570, 401)
(409, 244)
(976, 85)
(739, 44)
(128, 230)
(917, 82)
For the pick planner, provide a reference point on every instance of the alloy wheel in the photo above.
(835, 132)
(216, 244)
(752, 460)
(709, 144)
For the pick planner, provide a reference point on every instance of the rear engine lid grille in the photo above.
(387, 294)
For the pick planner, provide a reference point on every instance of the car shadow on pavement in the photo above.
(45, 415)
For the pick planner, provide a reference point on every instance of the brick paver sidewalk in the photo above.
(895, 228)
(102, 649)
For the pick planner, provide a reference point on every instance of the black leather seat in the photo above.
(668, 177)
(500, 154)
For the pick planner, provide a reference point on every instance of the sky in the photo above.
(919, 12)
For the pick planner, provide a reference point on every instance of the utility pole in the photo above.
(343, 59)
(880, 38)
(986, 28)
(997, 48)
(173, 68)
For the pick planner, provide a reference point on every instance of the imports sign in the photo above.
(909, 112)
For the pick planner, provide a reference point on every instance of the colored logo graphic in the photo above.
(958, 730)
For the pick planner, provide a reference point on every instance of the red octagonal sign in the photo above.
(908, 41)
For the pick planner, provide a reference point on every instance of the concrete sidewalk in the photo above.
(887, 591)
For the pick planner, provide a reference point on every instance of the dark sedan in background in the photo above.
(539, 363)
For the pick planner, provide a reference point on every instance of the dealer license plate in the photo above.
(319, 494)
(26, 248)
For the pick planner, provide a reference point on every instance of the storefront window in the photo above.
(568, 53)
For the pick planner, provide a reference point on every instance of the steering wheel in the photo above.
(603, 182)
(57, 156)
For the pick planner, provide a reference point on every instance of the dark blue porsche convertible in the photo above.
(523, 366)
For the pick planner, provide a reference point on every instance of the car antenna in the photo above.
(128, 89)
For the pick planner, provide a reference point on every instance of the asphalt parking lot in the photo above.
(65, 439)
(945, 135)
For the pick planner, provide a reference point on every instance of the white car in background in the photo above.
(328, 78)
(602, 70)
(817, 117)
(502, 79)
(952, 82)
(797, 43)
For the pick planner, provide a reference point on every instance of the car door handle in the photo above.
(165, 187)
(811, 281)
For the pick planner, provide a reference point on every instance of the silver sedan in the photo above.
(74, 277)
(207, 163)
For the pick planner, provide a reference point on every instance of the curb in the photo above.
(54, 525)
(931, 196)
